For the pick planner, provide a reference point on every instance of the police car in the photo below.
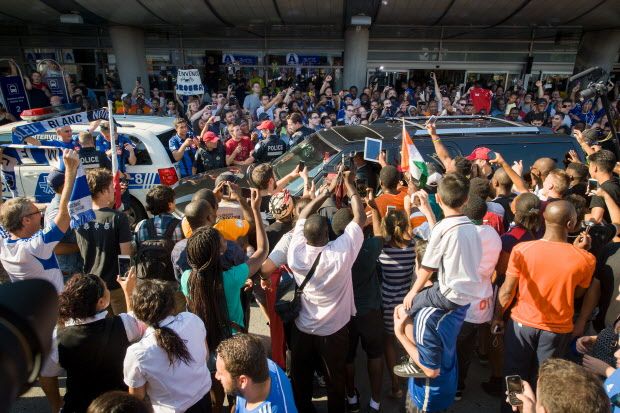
(154, 165)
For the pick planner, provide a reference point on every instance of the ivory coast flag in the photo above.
(411, 160)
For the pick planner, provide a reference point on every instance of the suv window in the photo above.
(164, 138)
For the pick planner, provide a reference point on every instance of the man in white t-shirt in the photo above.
(29, 252)
(320, 331)
(480, 311)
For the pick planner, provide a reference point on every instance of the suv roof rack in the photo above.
(463, 124)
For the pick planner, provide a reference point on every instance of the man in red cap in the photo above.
(211, 154)
(480, 157)
(271, 146)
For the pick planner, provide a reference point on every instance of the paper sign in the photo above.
(189, 83)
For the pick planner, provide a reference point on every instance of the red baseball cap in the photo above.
(210, 137)
(479, 153)
(266, 124)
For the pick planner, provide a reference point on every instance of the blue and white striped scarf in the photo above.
(80, 203)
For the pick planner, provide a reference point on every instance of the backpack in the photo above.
(153, 259)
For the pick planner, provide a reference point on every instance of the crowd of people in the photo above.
(480, 260)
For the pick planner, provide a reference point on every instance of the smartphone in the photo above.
(301, 165)
(391, 208)
(432, 119)
(216, 119)
(592, 184)
(124, 264)
(491, 155)
(225, 190)
(139, 79)
(246, 192)
(514, 384)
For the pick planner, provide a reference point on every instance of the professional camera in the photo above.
(28, 314)
(594, 89)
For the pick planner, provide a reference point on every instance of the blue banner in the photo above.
(29, 129)
(229, 59)
(56, 85)
(14, 93)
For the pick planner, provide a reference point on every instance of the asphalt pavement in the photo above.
(474, 399)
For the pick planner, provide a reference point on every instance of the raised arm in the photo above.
(440, 149)
(325, 84)
(262, 244)
(516, 179)
(587, 149)
(235, 195)
(320, 199)
(357, 206)
(539, 89)
(71, 160)
(374, 211)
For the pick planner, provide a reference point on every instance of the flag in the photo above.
(116, 173)
(81, 201)
(411, 160)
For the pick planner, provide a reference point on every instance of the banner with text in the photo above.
(53, 75)
(189, 83)
(29, 129)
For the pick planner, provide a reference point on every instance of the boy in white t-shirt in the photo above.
(453, 251)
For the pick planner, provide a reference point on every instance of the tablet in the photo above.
(372, 149)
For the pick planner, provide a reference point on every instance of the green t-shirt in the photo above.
(234, 279)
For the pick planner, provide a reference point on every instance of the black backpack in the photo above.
(153, 260)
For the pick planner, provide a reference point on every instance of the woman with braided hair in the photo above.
(169, 363)
(212, 293)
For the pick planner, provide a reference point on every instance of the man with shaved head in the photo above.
(545, 276)
(320, 333)
(539, 172)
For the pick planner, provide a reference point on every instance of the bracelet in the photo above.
(436, 140)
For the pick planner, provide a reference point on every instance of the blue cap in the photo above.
(56, 179)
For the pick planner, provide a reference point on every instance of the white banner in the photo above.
(189, 83)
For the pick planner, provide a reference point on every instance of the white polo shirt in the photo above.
(28, 258)
(481, 311)
(171, 389)
(327, 299)
(454, 250)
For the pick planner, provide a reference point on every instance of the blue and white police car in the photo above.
(154, 165)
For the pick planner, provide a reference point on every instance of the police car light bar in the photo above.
(38, 114)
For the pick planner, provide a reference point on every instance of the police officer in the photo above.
(89, 155)
(211, 154)
(271, 146)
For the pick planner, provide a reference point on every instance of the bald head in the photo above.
(559, 214)
(544, 165)
(316, 230)
(199, 213)
(501, 178)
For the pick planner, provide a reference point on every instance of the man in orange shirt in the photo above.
(544, 276)
(391, 197)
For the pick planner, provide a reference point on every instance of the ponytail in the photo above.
(153, 301)
(172, 344)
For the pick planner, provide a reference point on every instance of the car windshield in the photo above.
(311, 151)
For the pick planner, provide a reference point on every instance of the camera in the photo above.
(28, 314)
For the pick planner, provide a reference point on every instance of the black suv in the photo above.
(322, 150)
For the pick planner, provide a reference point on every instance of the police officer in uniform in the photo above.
(211, 154)
(89, 155)
(271, 146)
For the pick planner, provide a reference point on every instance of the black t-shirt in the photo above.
(269, 150)
(275, 231)
(211, 159)
(607, 265)
(505, 201)
(612, 187)
(366, 288)
(92, 158)
(99, 243)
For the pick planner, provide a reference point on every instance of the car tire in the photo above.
(135, 212)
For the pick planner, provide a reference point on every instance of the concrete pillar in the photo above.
(128, 44)
(355, 57)
(598, 49)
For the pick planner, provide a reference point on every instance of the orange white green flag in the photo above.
(411, 160)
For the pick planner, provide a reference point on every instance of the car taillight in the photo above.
(168, 176)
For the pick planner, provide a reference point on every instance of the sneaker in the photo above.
(354, 407)
(408, 370)
(494, 387)
(459, 395)
(320, 380)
